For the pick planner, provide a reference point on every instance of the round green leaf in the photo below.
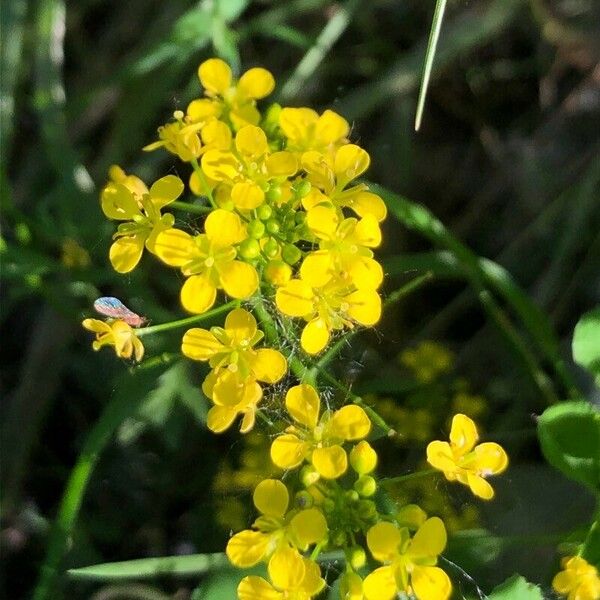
(516, 587)
(586, 342)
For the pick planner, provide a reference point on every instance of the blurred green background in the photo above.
(507, 158)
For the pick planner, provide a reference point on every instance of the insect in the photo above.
(114, 308)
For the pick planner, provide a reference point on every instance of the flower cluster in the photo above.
(288, 235)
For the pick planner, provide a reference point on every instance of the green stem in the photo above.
(409, 476)
(114, 414)
(188, 320)
(208, 192)
(191, 208)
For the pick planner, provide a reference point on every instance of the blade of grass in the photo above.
(312, 59)
(485, 275)
(434, 36)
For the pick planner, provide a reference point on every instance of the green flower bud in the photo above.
(256, 229)
(304, 500)
(291, 254)
(366, 509)
(302, 188)
(271, 248)
(357, 557)
(264, 212)
(365, 485)
(309, 475)
(273, 193)
(249, 248)
(363, 458)
(273, 226)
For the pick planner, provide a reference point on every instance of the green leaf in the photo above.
(516, 588)
(586, 342)
(148, 568)
(569, 435)
(591, 546)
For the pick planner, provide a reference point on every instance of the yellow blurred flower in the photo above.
(461, 460)
(409, 562)
(118, 334)
(73, 255)
(318, 440)
(142, 216)
(428, 361)
(209, 261)
(579, 580)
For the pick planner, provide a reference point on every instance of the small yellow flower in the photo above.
(428, 361)
(293, 577)
(327, 308)
(579, 580)
(329, 176)
(229, 100)
(306, 130)
(276, 528)
(209, 261)
(73, 255)
(144, 221)
(118, 334)
(344, 249)
(409, 562)
(461, 460)
(318, 441)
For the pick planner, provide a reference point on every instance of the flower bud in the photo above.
(366, 509)
(357, 557)
(273, 193)
(309, 475)
(277, 272)
(302, 188)
(273, 226)
(411, 516)
(271, 248)
(291, 254)
(249, 249)
(256, 229)
(363, 458)
(264, 212)
(365, 485)
(304, 499)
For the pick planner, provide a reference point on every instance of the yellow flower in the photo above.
(330, 307)
(579, 580)
(209, 261)
(144, 221)
(233, 396)
(461, 460)
(246, 171)
(133, 183)
(306, 130)
(318, 441)
(409, 562)
(428, 361)
(329, 176)
(231, 350)
(73, 255)
(118, 334)
(275, 529)
(344, 249)
(293, 578)
(231, 101)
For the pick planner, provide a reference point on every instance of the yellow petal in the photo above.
(383, 540)
(491, 459)
(217, 135)
(317, 268)
(365, 273)
(96, 325)
(246, 195)
(239, 280)
(202, 109)
(268, 365)
(247, 548)
(287, 451)
(200, 344)
(165, 190)
(463, 434)
(220, 418)
(350, 423)
(429, 541)
(315, 336)
(256, 83)
(309, 527)
(125, 253)
(175, 247)
(380, 584)
(224, 228)
(367, 232)
(363, 458)
(480, 487)
(295, 299)
(351, 586)
(331, 127)
(295, 122)
(330, 462)
(240, 325)
(271, 498)
(322, 221)
(286, 569)
(230, 388)
(319, 170)
(249, 419)
(350, 162)
(364, 306)
(303, 403)
(220, 165)
(198, 294)
(281, 164)
(430, 583)
(215, 76)
(256, 588)
(366, 203)
(440, 456)
(312, 583)
(251, 141)
(118, 202)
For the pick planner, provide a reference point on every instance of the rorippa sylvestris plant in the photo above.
(288, 238)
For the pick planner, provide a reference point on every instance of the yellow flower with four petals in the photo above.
(578, 580)
(118, 334)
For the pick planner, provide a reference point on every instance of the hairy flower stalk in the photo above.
(289, 236)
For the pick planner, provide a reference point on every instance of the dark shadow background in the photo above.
(507, 158)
